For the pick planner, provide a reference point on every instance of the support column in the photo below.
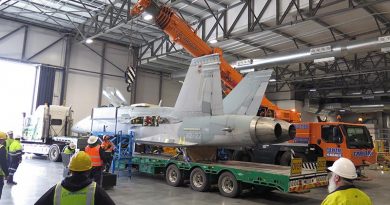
(101, 75)
(160, 87)
(65, 71)
(379, 117)
(24, 43)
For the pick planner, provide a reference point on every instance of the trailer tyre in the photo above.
(228, 185)
(173, 176)
(199, 180)
(54, 153)
(302, 156)
(285, 159)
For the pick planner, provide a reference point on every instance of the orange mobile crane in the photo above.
(180, 32)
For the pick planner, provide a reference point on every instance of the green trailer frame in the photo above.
(230, 176)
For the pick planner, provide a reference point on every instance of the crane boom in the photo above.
(181, 33)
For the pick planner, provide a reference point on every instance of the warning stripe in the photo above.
(309, 165)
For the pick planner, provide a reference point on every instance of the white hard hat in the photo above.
(72, 145)
(92, 139)
(344, 168)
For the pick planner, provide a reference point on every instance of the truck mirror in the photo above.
(339, 140)
(336, 135)
(27, 121)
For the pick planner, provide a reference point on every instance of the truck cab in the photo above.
(47, 131)
(47, 122)
(333, 140)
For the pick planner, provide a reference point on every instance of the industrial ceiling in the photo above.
(299, 24)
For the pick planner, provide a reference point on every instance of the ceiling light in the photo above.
(244, 62)
(89, 41)
(313, 90)
(342, 110)
(272, 80)
(148, 17)
(356, 93)
(212, 41)
(247, 70)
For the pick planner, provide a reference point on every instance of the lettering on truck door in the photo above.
(332, 138)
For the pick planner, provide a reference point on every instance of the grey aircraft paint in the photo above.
(200, 116)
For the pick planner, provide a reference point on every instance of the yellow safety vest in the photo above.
(83, 196)
(346, 197)
(68, 151)
(1, 169)
(15, 146)
(8, 143)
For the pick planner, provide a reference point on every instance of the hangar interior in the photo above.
(77, 48)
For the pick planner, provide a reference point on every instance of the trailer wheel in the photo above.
(285, 159)
(302, 156)
(173, 176)
(54, 153)
(199, 180)
(228, 185)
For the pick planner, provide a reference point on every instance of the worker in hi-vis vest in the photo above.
(3, 161)
(341, 188)
(77, 188)
(109, 149)
(97, 154)
(15, 153)
(70, 149)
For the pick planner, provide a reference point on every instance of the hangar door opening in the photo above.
(16, 94)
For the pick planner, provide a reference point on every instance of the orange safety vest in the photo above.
(93, 152)
(108, 146)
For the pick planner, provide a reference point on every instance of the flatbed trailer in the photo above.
(231, 176)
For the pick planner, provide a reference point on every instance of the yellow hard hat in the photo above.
(80, 162)
(3, 135)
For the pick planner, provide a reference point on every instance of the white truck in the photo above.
(48, 130)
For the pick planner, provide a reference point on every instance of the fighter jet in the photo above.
(200, 116)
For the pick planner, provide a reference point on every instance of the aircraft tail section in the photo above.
(246, 97)
(201, 93)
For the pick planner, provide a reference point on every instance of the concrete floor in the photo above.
(36, 175)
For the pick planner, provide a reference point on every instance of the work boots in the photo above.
(10, 180)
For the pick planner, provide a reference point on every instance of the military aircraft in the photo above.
(200, 116)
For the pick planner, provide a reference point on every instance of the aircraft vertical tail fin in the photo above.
(246, 97)
(201, 93)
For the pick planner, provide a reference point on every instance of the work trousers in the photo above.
(1, 185)
(109, 158)
(13, 165)
(97, 174)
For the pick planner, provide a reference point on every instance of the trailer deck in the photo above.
(246, 174)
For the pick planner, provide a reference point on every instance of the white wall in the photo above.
(82, 91)
(148, 86)
(148, 89)
(170, 91)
